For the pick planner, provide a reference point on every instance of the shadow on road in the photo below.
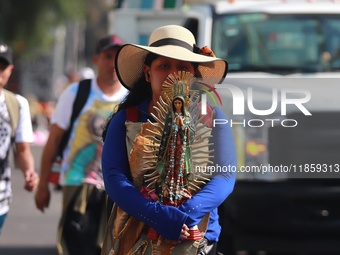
(10, 250)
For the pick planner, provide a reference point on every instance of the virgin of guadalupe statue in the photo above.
(174, 155)
(174, 164)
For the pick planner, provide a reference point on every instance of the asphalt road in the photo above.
(31, 232)
(27, 230)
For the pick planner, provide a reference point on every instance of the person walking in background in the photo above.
(84, 199)
(15, 127)
(163, 204)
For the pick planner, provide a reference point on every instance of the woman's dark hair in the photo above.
(141, 91)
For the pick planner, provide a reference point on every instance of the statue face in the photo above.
(178, 105)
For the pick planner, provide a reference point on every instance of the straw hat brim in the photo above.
(130, 59)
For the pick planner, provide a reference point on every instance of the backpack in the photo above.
(13, 108)
(78, 104)
(83, 92)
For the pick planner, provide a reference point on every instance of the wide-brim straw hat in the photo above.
(170, 41)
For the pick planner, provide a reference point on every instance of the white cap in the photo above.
(86, 73)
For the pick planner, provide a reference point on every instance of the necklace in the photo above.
(174, 187)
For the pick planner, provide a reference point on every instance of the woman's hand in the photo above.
(184, 232)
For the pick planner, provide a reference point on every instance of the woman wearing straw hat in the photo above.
(166, 193)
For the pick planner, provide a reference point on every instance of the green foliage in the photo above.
(29, 24)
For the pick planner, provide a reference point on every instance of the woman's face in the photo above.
(160, 68)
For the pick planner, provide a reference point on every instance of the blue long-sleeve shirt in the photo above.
(168, 220)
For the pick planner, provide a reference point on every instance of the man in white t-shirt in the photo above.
(13, 109)
(82, 154)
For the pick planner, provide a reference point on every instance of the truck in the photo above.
(282, 99)
(286, 198)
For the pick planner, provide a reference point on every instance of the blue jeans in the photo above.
(2, 220)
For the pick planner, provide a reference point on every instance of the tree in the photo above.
(27, 25)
